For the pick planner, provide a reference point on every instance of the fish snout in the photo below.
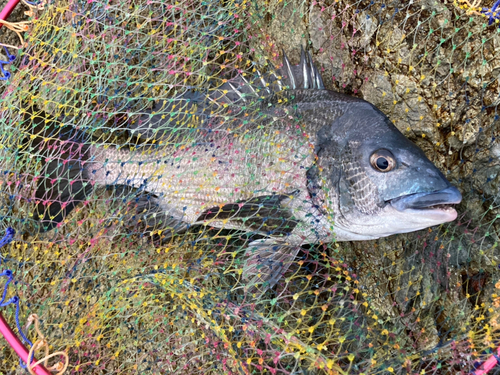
(447, 196)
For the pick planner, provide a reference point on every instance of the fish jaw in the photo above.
(435, 206)
(439, 215)
(405, 214)
(390, 221)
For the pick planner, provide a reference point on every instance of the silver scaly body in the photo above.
(299, 166)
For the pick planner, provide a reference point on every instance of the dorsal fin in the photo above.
(306, 73)
(302, 76)
(153, 124)
(297, 77)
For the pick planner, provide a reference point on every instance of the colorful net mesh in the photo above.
(119, 296)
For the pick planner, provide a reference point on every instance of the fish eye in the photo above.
(383, 160)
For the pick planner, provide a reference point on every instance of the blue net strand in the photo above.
(16, 302)
(6, 74)
(491, 12)
(34, 3)
(9, 56)
(10, 59)
(497, 357)
(8, 302)
(7, 273)
(8, 237)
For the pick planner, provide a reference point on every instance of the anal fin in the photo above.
(63, 183)
(265, 263)
(144, 213)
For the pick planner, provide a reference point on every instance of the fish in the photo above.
(309, 165)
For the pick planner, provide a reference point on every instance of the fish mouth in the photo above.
(436, 204)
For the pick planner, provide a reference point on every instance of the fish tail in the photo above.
(64, 180)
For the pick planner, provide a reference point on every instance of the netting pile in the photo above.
(120, 295)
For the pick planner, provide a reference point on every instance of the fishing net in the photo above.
(118, 294)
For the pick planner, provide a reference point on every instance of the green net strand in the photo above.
(120, 294)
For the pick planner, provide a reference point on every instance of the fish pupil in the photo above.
(382, 163)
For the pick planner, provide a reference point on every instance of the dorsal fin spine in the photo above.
(303, 68)
(287, 67)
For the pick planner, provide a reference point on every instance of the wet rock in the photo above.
(317, 28)
(378, 91)
(441, 14)
(473, 283)
(331, 48)
(367, 25)
(285, 24)
(400, 98)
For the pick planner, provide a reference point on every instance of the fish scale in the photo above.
(179, 184)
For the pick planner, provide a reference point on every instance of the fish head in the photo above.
(378, 183)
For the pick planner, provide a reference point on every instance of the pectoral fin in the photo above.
(267, 215)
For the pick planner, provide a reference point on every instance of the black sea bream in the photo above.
(311, 165)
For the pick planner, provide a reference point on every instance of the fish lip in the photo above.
(434, 200)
